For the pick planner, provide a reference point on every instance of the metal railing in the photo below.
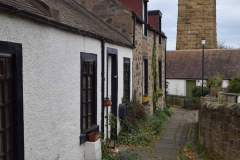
(183, 101)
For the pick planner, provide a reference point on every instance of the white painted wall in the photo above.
(177, 87)
(122, 52)
(225, 83)
(199, 83)
(51, 86)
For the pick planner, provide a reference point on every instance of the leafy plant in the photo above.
(127, 155)
(216, 80)
(146, 130)
(106, 150)
(197, 91)
(167, 111)
(155, 78)
(136, 113)
(234, 85)
(105, 143)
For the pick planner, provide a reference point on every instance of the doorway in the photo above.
(112, 87)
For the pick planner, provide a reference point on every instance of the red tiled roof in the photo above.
(70, 13)
(187, 64)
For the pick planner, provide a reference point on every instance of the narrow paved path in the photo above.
(174, 136)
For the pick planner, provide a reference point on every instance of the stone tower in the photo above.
(196, 19)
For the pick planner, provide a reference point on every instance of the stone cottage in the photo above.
(147, 33)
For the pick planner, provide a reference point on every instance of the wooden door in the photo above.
(190, 85)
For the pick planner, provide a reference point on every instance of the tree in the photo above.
(234, 85)
(221, 45)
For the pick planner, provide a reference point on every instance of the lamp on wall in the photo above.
(203, 43)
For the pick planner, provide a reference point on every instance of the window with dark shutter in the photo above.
(145, 75)
(88, 95)
(126, 77)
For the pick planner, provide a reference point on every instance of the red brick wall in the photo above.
(134, 5)
(153, 20)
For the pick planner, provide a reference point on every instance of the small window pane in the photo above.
(89, 121)
(126, 85)
(84, 82)
(90, 68)
(9, 67)
(89, 108)
(85, 68)
(84, 109)
(1, 142)
(84, 96)
(8, 140)
(89, 82)
(1, 118)
(84, 123)
(126, 94)
(126, 77)
(1, 92)
(89, 96)
(8, 91)
(8, 116)
(1, 67)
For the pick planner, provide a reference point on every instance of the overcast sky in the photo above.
(228, 21)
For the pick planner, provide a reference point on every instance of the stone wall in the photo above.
(144, 46)
(219, 130)
(196, 19)
(113, 13)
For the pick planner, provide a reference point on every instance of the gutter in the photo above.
(134, 28)
(52, 22)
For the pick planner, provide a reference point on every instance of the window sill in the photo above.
(145, 103)
(145, 37)
(84, 135)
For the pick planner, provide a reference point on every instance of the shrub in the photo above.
(197, 91)
(167, 111)
(136, 113)
(216, 80)
(140, 137)
(127, 155)
(234, 85)
(147, 130)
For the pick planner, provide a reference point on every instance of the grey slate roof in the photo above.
(187, 64)
(69, 13)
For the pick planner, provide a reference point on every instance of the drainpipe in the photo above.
(165, 70)
(134, 28)
(102, 81)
